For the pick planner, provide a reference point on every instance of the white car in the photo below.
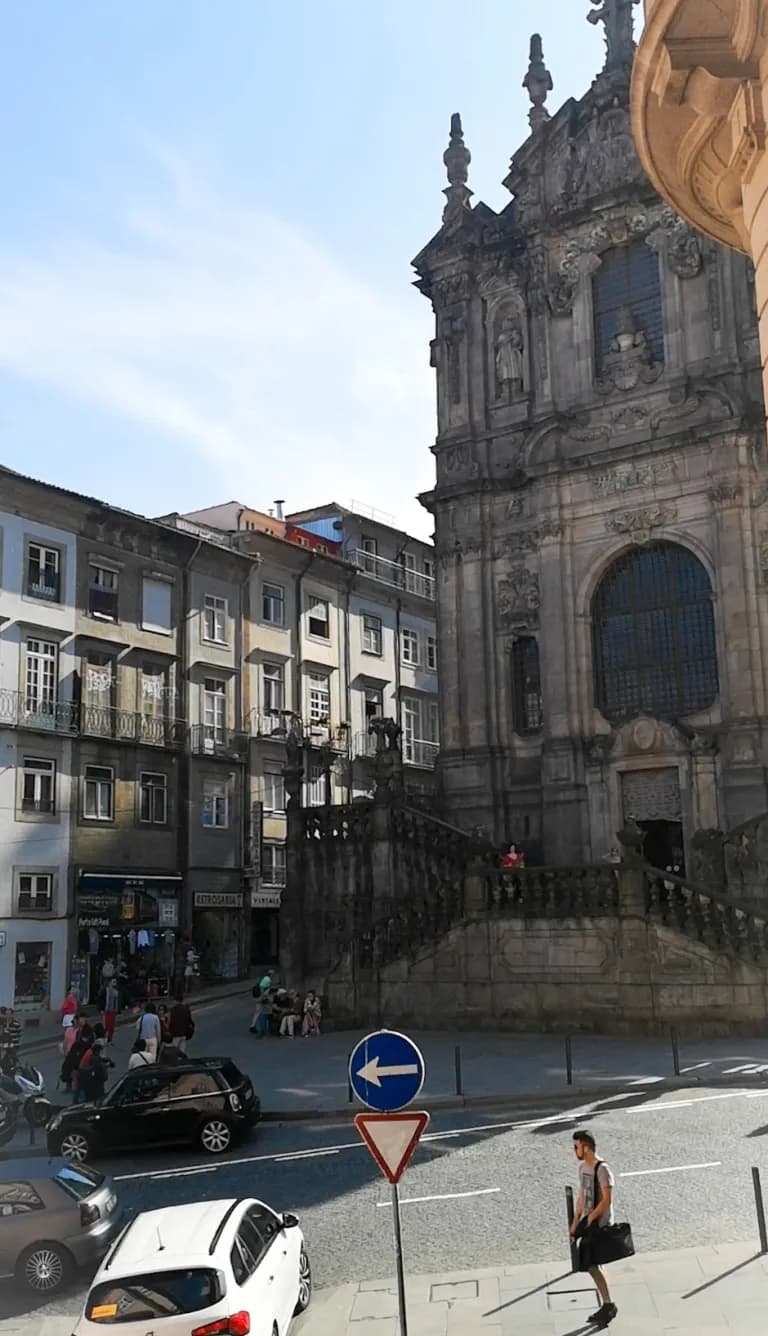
(215, 1268)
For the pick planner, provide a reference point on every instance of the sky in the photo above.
(209, 213)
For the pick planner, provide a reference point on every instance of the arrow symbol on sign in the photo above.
(372, 1072)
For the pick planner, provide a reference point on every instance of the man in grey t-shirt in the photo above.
(595, 1181)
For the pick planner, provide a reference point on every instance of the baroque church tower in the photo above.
(601, 499)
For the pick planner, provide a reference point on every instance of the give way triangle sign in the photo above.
(391, 1138)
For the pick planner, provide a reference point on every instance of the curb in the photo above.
(533, 1098)
(52, 1041)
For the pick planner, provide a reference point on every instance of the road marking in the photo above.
(307, 1154)
(671, 1169)
(182, 1173)
(442, 1196)
(685, 1103)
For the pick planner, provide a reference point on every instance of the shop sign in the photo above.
(266, 899)
(167, 913)
(126, 901)
(218, 899)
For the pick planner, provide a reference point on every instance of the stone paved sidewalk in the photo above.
(689, 1292)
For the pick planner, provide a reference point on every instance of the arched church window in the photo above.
(526, 686)
(628, 277)
(654, 635)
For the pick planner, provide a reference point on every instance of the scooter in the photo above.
(26, 1083)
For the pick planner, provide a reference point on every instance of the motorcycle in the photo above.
(25, 1083)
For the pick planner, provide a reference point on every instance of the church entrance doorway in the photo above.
(663, 845)
(651, 800)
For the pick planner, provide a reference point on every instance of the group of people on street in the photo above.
(279, 1011)
(161, 1036)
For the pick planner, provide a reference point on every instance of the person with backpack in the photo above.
(150, 1030)
(140, 1057)
(92, 1073)
(593, 1213)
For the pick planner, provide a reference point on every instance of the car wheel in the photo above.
(44, 1268)
(215, 1136)
(305, 1284)
(74, 1146)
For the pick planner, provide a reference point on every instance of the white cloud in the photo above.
(232, 332)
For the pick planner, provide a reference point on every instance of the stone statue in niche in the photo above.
(510, 358)
(629, 360)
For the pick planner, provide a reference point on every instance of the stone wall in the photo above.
(606, 975)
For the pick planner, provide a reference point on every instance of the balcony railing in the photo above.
(18, 710)
(271, 724)
(394, 573)
(224, 743)
(278, 724)
(420, 752)
(364, 744)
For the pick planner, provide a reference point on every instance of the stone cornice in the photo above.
(696, 109)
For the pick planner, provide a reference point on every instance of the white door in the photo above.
(279, 1262)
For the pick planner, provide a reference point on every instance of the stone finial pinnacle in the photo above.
(538, 82)
(616, 17)
(457, 158)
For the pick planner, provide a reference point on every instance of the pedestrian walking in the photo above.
(593, 1223)
(92, 1073)
(312, 1015)
(80, 1042)
(165, 1023)
(69, 1006)
(260, 1021)
(180, 1023)
(139, 1056)
(110, 1005)
(149, 1029)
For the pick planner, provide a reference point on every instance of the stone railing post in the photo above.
(476, 897)
(632, 892)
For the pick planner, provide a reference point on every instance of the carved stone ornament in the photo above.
(518, 599)
(451, 288)
(760, 495)
(458, 462)
(625, 477)
(598, 749)
(723, 492)
(629, 361)
(679, 245)
(605, 156)
(582, 251)
(639, 524)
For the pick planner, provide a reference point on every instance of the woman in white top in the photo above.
(140, 1057)
(149, 1030)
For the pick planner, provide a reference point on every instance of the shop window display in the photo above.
(33, 974)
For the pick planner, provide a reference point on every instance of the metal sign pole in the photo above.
(399, 1259)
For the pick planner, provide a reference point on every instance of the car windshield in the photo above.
(157, 1294)
(78, 1181)
(232, 1074)
(114, 1096)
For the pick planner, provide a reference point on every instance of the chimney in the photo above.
(279, 509)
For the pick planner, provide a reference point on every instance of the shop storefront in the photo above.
(218, 932)
(127, 927)
(33, 962)
(265, 926)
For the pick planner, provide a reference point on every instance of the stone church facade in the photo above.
(601, 496)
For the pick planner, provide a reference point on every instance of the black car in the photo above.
(205, 1102)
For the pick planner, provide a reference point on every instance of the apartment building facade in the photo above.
(38, 566)
(130, 686)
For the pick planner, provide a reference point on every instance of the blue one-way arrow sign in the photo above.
(386, 1071)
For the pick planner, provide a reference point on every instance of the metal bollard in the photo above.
(675, 1052)
(568, 1060)
(760, 1209)
(457, 1067)
(570, 1213)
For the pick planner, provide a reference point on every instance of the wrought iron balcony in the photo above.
(205, 740)
(279, 724)
(364, 745)
(420, 752)
(271, 724)
(104, 721)
(393, 573)
(20, 710)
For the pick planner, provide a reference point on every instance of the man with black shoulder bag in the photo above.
(599, 1239)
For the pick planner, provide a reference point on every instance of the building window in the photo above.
(99, 796)
(628, 276)
(409, 646)
(526, 686)
(102, 593)
(156, 606)
(215, 805)
(32, 983)
(314, 786)
(153, 798)
(373, 703)
(429, 568)
(274, 791)
(371, 634)
(215, 619)
(370, 550)
(432, 653)
(420, 730)
(319, 698)
(319, 619)
(97, 714)
(654, 635)
(40, 677)
(38, 791)
(408, 564)
(273, 688)
(43, 573)
(273, 865)
(35, 893)
(273, 604)
(214, 709)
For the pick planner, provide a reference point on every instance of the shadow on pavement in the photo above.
(723, 1276)
(536, 1290)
